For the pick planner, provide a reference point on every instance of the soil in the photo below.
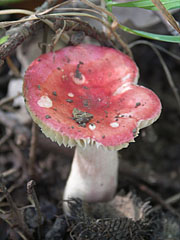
(149, 170)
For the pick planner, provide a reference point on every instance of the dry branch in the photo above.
(20, 33)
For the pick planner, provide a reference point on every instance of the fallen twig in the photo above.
(158, 198)
(171, 200)
(6, 136)
(34, 200)
(13, 67)
(32, 152)
(9, 99)
(18, 219)
(11, 225)
(22, 32)
(9, 172)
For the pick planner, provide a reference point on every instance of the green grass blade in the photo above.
(146, 4)
(6, 2)
(4, 39)
(159, 37)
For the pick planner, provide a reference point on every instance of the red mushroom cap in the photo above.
(87, 94)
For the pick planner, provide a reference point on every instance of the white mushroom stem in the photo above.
(93, 175)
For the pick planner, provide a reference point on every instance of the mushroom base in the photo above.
(93, 176)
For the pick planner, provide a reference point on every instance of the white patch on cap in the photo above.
(45, 102)
(78, 81)
(114, 124)
(92, 126)
(125, 87)
(70, 94)
(126, 77)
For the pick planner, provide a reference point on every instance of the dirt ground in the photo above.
(149, 173)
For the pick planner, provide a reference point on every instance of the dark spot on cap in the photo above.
(39, 59)
(78, 74)
(85, 102)
(39, 87)
(54, 93)
(72, 127)
(103, 136)
(106, 112)
(137, 104)
(85, 87)
(69, 100)
(58, 68)
(98, 121)
(47, 116)
(68, 59)
(55, 109)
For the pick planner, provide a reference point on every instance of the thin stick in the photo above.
(11, 189)
(6, 136)
(57, 36)
(8, 172)
(13, 67)
(123, 44)
(11, 225)
(16, 11)
(158, 199)
(166, 70)
(119, 40)
(34, 200)
(170, 200)
(22, 32)
(104, 16)
(32, 152)
(16, 214)
(101, 10)
(9, 99)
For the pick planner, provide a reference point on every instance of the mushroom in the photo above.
(87, 96)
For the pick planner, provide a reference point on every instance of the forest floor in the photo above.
(149, 173)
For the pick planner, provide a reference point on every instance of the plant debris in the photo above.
(81, 117)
